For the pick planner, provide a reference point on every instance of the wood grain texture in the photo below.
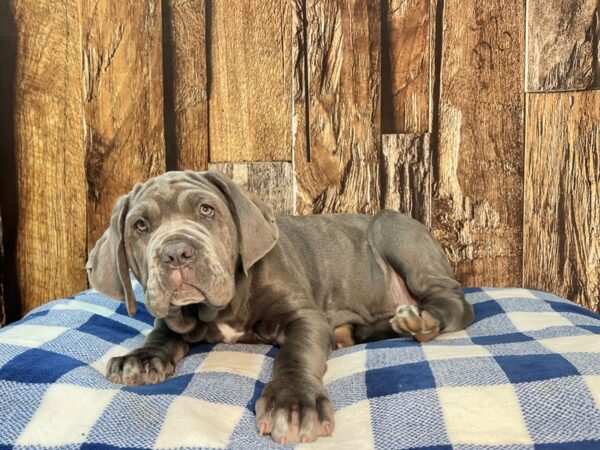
(250, 84)
(299, 132)
(561, 242)
(188, 52)
(563, 43)
(270, 181)
(436, 33)
(406, 175)
(343, 63)
(51, 248)
(290, 98)
(476, 200)
(405, 66)
(122, 79)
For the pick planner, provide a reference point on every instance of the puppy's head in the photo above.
(184, 235)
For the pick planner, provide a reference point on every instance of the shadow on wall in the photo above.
(8, 173)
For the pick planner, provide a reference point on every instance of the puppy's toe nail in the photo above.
(170, 370)
(304, 438)
(283, 440)
(263, 428)
(326, 429)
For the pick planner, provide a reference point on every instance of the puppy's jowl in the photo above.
(216, 265)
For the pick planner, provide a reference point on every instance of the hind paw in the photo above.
(418, 323)
(343, 336)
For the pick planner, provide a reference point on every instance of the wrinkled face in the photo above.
(181, 243)
(184, 235)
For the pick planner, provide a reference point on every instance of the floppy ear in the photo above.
(107, 266)
(255, 221)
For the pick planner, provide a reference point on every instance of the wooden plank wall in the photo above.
(185, 78)
(478, 163)
(561, 202)
(337, 162)
(480, 119)
(122, 101)
(51, 182)
(562, 195)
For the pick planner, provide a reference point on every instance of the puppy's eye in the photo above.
(141, 226)
(207, 210)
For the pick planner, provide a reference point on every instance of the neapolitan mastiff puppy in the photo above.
(216, 265)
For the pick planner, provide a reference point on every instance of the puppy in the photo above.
(217, 266)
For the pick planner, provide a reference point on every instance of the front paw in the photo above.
(141, 366)
(294, 410)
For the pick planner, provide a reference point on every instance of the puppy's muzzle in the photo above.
(177, 255)
(177, 258)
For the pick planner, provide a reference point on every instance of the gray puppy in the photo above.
(216, 265)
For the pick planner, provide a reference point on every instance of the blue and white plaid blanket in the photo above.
(525, 375)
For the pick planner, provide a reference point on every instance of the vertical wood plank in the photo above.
(122, 71)
(49, 138)
(270, 181)
(405, 66)
(561, 242)
(344, 129)
(299, 64)
(250, 80)
(406, 175)
(477, 163)
(188, 53)
(563, 43)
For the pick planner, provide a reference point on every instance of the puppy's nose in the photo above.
(177, 254)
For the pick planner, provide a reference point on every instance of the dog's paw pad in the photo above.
(418, 323)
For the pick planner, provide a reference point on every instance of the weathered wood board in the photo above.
(187, 53)
(48, 135)
(270, 181)
(337, 165)
(123, 101)
(406, 175)
(561, 242)
(250, 80)
(300, 133)
(477, 165)
(563, 43)
(290, 98)
(405, 67)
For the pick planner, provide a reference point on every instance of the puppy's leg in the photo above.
(294, 406)
(151, 363)
(351, 334)
(411, 251)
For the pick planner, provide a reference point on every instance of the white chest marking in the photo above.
(230, 335)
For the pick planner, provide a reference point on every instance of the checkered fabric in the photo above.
(525, 375)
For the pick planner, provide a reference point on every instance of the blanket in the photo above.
(525, 375)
